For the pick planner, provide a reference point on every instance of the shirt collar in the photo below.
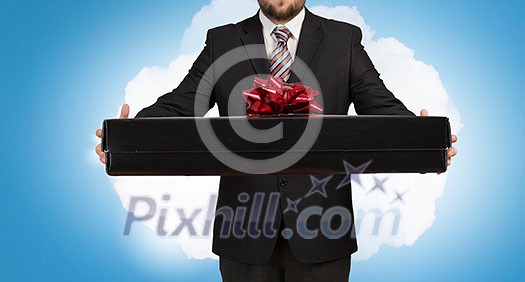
(294, 25)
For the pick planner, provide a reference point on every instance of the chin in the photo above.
(282, 10)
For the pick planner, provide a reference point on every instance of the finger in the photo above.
(102, 158)
(98, 133)
(424, 113)
(124, 111)
(454, 138)
(452, 152)
(98, 149)
(449, 162)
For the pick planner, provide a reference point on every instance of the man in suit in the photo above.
(285, 31)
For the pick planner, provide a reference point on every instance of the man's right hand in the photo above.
(124, 113)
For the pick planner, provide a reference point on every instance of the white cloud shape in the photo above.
(400, 223)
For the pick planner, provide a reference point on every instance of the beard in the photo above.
(273, 12)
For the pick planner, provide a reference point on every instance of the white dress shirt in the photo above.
(294, 25)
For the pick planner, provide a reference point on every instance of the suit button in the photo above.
(284, 182)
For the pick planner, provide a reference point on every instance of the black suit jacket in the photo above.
(346, 75)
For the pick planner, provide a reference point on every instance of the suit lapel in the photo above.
(254, 35)
(309, 39)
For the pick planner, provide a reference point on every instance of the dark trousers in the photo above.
(284, 267)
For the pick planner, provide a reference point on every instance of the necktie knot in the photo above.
(282, 34)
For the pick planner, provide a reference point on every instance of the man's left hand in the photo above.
(452, 151)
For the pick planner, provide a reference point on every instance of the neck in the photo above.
(276, 21)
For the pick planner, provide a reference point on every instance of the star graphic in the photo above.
(378, 185)
(292, 205)
(353, 173)
(399, 197)
(318, 186)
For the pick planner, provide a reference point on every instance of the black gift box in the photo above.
(173, 146)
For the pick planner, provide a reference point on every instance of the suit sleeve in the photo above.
(368, 92)
(181, 101)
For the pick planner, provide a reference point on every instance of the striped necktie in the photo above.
(281, 58)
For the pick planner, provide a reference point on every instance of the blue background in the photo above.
(64, 66)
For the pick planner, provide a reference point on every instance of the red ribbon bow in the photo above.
(274, 96)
